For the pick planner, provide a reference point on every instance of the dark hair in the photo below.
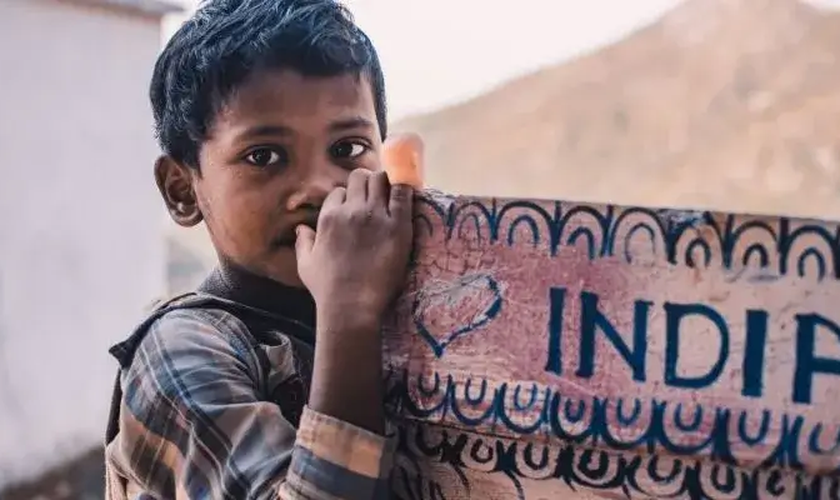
(226, 41)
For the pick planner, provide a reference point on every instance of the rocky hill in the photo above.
(725, 104)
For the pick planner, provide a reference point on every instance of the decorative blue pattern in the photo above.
(583, 457)
(692, 239)
(630, 476)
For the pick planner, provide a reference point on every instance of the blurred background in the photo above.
(722, 104)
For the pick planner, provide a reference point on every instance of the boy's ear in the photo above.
(175, 182)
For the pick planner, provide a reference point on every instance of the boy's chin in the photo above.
(283, 267)
(287, 241)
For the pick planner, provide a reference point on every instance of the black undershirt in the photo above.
(238, 285)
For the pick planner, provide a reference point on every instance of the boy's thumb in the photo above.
(304, 241)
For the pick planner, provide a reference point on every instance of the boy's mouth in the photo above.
(288, 238)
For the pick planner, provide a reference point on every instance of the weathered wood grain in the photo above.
(544, 348)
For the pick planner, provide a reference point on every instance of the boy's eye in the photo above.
(348, 150)
(265, 157)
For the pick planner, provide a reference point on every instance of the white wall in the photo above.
(81, 248)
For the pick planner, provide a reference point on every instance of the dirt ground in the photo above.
(81, 479)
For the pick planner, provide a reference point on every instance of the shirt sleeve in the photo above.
(194, 424)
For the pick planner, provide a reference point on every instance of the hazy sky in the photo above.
(437, 52)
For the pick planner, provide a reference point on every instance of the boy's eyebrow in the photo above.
(264, 130)
(349, 123)
(336, 126)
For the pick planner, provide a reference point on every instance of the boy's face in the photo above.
(274, 152)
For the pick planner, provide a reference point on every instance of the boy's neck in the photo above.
(232, 282)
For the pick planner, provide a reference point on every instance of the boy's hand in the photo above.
(354, 265)
(356, 262)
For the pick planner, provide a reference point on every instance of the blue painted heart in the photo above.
(444, 312)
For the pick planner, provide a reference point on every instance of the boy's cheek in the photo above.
(240, 233)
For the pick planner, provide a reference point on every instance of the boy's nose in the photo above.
(315, 187)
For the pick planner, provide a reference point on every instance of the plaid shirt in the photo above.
(207, 412)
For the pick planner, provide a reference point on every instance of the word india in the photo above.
(594, 322)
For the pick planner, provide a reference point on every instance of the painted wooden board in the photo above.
(549, 350)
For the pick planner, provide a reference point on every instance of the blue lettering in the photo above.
(807, 362)
(592, 319)
(674, 314)
(634, 353)
(557, 304)
(753, 367)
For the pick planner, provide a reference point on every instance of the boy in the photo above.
(271, 116)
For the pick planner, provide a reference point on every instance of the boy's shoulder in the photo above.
(200, 324)
(181, 316)
(186, 341)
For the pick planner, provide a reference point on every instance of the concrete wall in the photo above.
(81, 246)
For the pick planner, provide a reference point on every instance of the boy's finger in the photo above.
(304, 241)
(334, 198)
(401, 201)
(357, 185)
(378, 188)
